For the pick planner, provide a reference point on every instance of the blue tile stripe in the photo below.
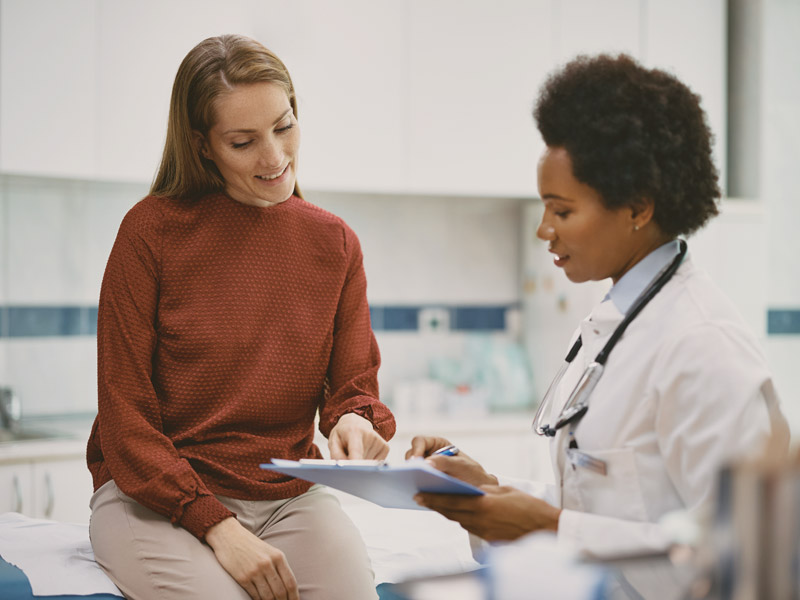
(47, 321)
(460, 318)
(783, 321)
(60, 321)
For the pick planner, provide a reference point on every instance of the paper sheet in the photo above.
(67, 567)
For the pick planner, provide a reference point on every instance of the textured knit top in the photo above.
(222, 329)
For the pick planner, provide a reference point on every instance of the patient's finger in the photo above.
(355, 449)
(376, 448)
(335, 448)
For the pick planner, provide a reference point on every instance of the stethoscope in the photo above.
(578, 402)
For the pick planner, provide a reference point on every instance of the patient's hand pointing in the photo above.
(354, 437)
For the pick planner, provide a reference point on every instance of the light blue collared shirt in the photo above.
(625, 292)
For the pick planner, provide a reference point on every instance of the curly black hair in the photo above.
(633, 133)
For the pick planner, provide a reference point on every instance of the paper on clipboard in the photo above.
(388, 486)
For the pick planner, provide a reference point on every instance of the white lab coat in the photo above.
(685, 390)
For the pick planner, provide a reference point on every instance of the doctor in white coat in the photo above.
(684, 389)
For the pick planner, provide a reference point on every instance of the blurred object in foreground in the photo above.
(753, 545)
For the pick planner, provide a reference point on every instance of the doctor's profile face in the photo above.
(590, 241)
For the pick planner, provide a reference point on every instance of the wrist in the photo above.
(217, 532)
(354, 419)
(554, 520)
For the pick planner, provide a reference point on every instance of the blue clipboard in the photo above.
(390, 486)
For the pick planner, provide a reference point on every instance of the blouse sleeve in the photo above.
(354, 361)
(142, 461)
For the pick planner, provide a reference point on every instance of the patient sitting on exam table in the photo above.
(627, 172)
(222, 332)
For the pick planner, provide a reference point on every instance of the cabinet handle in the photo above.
(17, 495)
(48, 486)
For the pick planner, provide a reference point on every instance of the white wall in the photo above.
(419, 250)
(423, 249)
(779, 166)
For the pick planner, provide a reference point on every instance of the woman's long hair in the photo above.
(213, 67)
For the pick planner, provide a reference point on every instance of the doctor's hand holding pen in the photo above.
(444, 456)
(503, 513)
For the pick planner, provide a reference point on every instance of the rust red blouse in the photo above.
(222, 329)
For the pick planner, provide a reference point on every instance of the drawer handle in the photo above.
(48, 485)
(17, 495)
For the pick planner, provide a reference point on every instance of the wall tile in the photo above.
(47, 321)
(780, 145)
(53, 375)
(459, 254)
(3, 362)
(479, 318)
(106, 205)
(783, 321)
(45, 242)
(782, 353)
(3, 243)
(733, 249)
(429, 250)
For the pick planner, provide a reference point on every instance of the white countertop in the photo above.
(70, 433)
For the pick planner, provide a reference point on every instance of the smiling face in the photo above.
(254, 142)
(591, 242)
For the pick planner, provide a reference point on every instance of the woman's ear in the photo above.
(642, 212)
(200, 144)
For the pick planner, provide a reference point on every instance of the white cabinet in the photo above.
(16, 491)
(474, 69)
(415, 96)
(689, 39)
(47, 487)
(350, 70)
(61, 490)
(590, 27)
(48, 100)
(139, 48)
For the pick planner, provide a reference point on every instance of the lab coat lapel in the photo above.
(595, 331)
(597, 328)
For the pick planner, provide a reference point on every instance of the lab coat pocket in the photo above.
(608, 483)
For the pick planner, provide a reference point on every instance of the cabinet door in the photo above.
(475, 68)
(16, 492)
(349, 68)
(689, 39)
(47, 87)
(140, 46)
(591, 27)
(62, 490)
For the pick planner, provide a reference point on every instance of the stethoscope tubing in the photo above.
(578, 403)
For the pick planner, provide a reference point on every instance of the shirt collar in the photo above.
(624, 293)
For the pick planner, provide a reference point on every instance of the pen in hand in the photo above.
(450, 450)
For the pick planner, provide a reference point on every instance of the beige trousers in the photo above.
(149, 558)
